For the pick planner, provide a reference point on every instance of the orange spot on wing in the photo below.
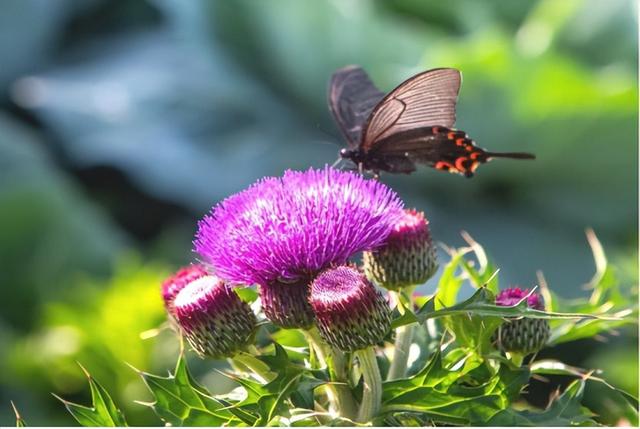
(474, 155)
(451, 135)
(459, 142)
(460, 163)
(443, 165)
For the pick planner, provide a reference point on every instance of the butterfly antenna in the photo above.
(512, 155)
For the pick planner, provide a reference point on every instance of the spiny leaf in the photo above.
(267, 400)
(566, 410)
(550, 366)
(20, 423)
(103, 411)
(453, 396)
(481, 303)
(180, 401)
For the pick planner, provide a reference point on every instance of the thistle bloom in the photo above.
(511, 296)
(292, 227)
(175, 283)
(522, 336)
(350, 313)
(407, 257)
(213, 318)
(281, 232)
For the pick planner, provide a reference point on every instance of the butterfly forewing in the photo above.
(427, 99)
(352, 98)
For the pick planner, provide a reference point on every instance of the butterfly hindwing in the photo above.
(438, 147)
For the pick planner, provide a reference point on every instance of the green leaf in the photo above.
(20, 423)
(607, 297)
(481, 303)
(247, 294)
(566, 410)
(456, 395)
(449, 284)
(267, 401)
(554, 367)
(103, 411)
(180, 401)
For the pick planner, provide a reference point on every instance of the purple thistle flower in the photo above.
(407, 258)
(174, 284)
(350, 313)
(514, 295)
(290, 228)
(213, 318)
(521, 335)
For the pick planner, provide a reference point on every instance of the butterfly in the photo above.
(411, 125)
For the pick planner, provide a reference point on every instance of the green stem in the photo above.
(339, 394)
(402, 347)
(372, 389)
(404, 336)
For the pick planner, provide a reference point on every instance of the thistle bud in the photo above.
(407, 258)
(175, 283)
(524, 335)
(350, 314)
(213, 318)
(287, 304)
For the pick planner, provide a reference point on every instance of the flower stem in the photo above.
(339, 394)
(402, 346)
(404, 338)
(372, 390)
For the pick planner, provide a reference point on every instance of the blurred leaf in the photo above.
(606, 298)
(563, 411)
(103, 411)
(180, 401)
(549, 366)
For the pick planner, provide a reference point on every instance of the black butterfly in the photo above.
(410, 125)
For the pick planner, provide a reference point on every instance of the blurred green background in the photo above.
(122, 123)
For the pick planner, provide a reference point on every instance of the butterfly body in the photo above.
(411, 125)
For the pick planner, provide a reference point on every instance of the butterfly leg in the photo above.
(360, 168)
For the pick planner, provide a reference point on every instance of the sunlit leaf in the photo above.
(102, 412)
(180, 401)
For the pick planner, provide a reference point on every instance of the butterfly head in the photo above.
(353, 155)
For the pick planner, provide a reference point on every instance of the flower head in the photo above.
(514, 295)
(525, 335)
(407, 258)
(175, 283)
(213, 318)
(287, 305)
(350, 313)
(290, 228)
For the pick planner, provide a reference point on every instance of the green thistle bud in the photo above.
(350, 314)
(407, 258)
(525, 335)
(213, 318)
